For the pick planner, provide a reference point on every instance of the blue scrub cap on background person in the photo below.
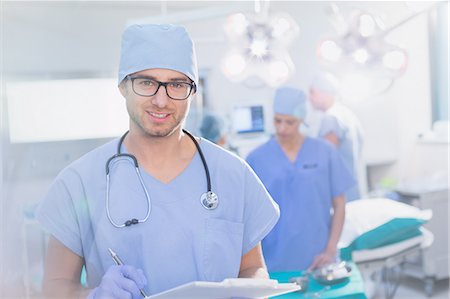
(212, 127)
(152, 46)
(290, 101)
(325, 82)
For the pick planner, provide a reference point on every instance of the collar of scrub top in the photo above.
(209, 199)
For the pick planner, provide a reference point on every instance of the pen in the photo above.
(118, 261)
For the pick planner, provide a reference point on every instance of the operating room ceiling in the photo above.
(39, 37)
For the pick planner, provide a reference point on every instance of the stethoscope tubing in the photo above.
(120, 155)
(205, 165)
(147, 196)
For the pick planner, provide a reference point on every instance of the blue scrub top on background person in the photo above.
(305, 182)
(175, 208)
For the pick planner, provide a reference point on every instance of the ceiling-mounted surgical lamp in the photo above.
(258, 48)
(363, 46)
(360, 54)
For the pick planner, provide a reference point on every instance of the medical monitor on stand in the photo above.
(248, 119)
(248, 127)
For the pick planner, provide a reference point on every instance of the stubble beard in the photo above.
(155, 130)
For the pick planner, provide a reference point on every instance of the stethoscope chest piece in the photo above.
(209, 200)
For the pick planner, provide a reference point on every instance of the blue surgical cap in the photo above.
(212, 127)
(290, 101)
(157, 46)
(325, 82)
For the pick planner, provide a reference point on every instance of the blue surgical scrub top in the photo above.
(304, 191)
(181, 241)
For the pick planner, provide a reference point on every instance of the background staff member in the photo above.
(212, 128)
(340, 127)
(307, 178)
(154, 216)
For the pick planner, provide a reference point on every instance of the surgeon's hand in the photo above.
(120, 282)
(325, 258)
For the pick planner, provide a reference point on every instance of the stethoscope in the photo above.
(208, 200)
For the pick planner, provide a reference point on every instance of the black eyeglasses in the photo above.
(175, 90)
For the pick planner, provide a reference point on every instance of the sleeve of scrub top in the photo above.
(341, 177)
(330, 124)
(58, 215)
(261, 212)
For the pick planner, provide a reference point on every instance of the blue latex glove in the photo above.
(120, 282)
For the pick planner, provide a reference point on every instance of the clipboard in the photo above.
(227, 289)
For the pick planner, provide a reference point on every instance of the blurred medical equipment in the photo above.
(383, 267)
(259, 45)
(346, 282)
(302, 281)
(248, 126)
(379, 235)
(332, 273)
(430, 192)
(438, 133)
(248, 119)
(327, 275)
(209, 199)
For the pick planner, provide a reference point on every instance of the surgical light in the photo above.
(394, 60)
(259, 47)
(233, 65)
(330, 51)
(360, 55)
(366, 25)
(237, 24)
(360, 47)
(280, 27)
(366, 62)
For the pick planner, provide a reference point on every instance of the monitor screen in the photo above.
(248, 119)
